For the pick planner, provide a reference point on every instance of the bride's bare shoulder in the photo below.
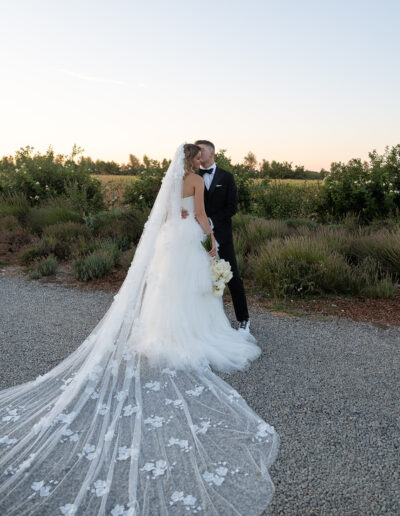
(193, 178)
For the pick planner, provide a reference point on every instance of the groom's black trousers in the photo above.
(227, 252)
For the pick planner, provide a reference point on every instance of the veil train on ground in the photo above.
(109, 431)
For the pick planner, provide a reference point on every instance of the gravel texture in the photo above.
(330, 388)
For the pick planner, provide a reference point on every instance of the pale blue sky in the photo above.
(304, 81)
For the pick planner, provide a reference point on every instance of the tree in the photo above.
(134, 164)
(223, 161)
(250, 160)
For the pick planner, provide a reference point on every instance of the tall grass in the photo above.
(328, 260)
(382, 245)
(300, 266)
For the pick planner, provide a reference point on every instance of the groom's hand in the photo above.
(184, 213)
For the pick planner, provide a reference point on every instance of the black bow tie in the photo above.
(203, 171)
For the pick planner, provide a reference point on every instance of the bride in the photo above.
(134, 421)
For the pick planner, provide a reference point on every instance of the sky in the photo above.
(305, 81)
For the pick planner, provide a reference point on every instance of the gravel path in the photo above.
(330, 388)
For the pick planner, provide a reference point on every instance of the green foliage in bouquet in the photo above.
(207, 243)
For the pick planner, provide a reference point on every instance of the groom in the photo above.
(220, 201)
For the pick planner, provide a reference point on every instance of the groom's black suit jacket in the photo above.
(221, 203)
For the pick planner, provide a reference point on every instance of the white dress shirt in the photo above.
(207, 181)
(209, 177)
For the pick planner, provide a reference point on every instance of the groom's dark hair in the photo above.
(205, 142)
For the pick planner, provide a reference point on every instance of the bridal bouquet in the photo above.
(221, 273)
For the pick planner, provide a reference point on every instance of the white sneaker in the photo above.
(244, 326)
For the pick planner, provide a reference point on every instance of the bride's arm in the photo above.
(200, 212)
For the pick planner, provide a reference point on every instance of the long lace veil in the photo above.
(101, 433)
(116, 324)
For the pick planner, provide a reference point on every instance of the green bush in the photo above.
(124, 226)
(93, 266)
(48, 266)
(9, 223)
(142, 192)
(383, 289)
(372, 281)
(44, 248)
(47, 245)
(41, 216)
(103, 257)
(382, 245)
(242, 265)
(110, 247)
(39, 177)
(67, 231)
(127, 257)
(34, 274)
(258, 231)
(240, 220)
(300, 266)
(367, 190)
(297, 223)
(277, 200)
(14, 204)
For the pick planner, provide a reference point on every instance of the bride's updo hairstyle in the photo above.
(191, 150)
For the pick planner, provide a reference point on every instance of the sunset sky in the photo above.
(306, 81)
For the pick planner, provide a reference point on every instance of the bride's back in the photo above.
(188, 186)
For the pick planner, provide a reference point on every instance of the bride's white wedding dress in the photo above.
(135, 421)
(180, 309)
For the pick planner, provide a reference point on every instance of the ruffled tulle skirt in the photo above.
(182, 323)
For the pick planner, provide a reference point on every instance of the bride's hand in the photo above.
(213, 251)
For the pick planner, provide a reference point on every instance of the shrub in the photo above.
(14, 204)
(9, 223)
(142, 192)
(300, 266)
(99, 262)
(42, 249)
(244, 184)
(382, 245)
(240, 242)
(258, 231)
(48, 266)
(383, 289)
(277, 200)
(127, 257)
(67, 231)
(40, 217)
(42, 176)
(372, 281)
(34, 274)
(110, 247)
(123, 226)
(242, 264)
(368, 190)
(296, 223)
(240, 220)
(93, 266)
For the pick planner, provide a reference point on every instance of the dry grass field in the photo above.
(114, 180)
(114, 185)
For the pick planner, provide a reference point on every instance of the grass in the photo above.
(111, 179)
(292, 181)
